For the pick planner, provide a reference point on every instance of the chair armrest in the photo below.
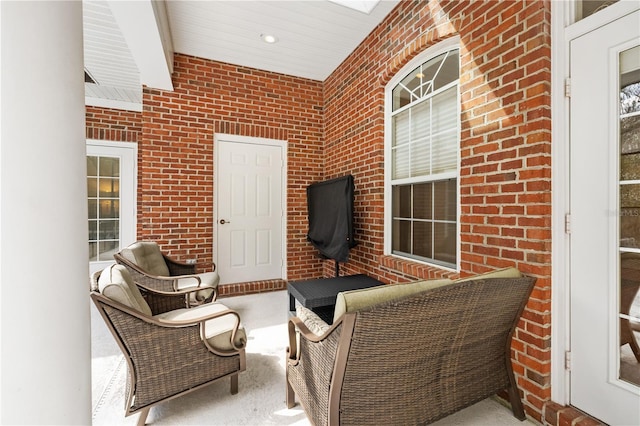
(202, 321)
(161, 301)
(197, 283)
(313, 362)
(169, 278)
(173, 280)
(196, 320)
(177, 293)
(140, 276)
(298, 331)
(194, 284)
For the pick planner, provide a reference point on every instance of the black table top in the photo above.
(323, 291)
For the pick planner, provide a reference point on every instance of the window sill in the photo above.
(414, 270)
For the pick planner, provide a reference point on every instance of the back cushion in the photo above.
(498, 273)
(349, 301)
(147, 255)
(354, 300)
(115, 283)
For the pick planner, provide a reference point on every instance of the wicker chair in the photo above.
(411, 360)
(168, 353)
(153, 269)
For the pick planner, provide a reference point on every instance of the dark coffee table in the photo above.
(320, 294)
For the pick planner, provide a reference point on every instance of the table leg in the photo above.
(292, 303)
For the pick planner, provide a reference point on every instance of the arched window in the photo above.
(422, 158)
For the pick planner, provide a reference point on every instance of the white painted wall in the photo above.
(44, 306)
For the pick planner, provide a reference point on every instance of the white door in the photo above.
(250, 210)
(605, 221)
(111, 191)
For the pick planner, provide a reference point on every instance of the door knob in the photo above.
(222, 221)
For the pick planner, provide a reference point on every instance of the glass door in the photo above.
(103, 187)
(605, 222)
(111, 190)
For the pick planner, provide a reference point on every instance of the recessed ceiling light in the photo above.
(268, 38)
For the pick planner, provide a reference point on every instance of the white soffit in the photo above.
(112, 97)
(145, 27)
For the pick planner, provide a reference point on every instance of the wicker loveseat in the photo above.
(407, 353)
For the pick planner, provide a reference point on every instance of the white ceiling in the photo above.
(130, 43)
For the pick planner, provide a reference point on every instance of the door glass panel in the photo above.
(629, 313)
(586, 8)
(103, 190)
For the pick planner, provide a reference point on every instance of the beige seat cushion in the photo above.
(349, 301)
(314, 323)
(217, 330)
(208, 279)
(115, 283)
(147, 255)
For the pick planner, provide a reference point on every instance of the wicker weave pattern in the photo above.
(421, 358)
(179, 268)
(144, 279)
(311, 377)
(166, 361)
(160, 303)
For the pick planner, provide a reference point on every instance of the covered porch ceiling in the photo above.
(128, 44)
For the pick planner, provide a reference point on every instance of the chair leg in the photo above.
(234, 384)
(512, 390)
(290, 395)
(142, 420)
(516, 403)
(634, 347)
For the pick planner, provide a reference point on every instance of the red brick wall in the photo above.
(505, 171)
(175, 205)
(113, 124)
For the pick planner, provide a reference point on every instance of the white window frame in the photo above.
(429, 53)
(128, 154)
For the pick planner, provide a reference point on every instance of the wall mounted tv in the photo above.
(330, 209)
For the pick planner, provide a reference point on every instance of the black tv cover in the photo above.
(330, 208)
